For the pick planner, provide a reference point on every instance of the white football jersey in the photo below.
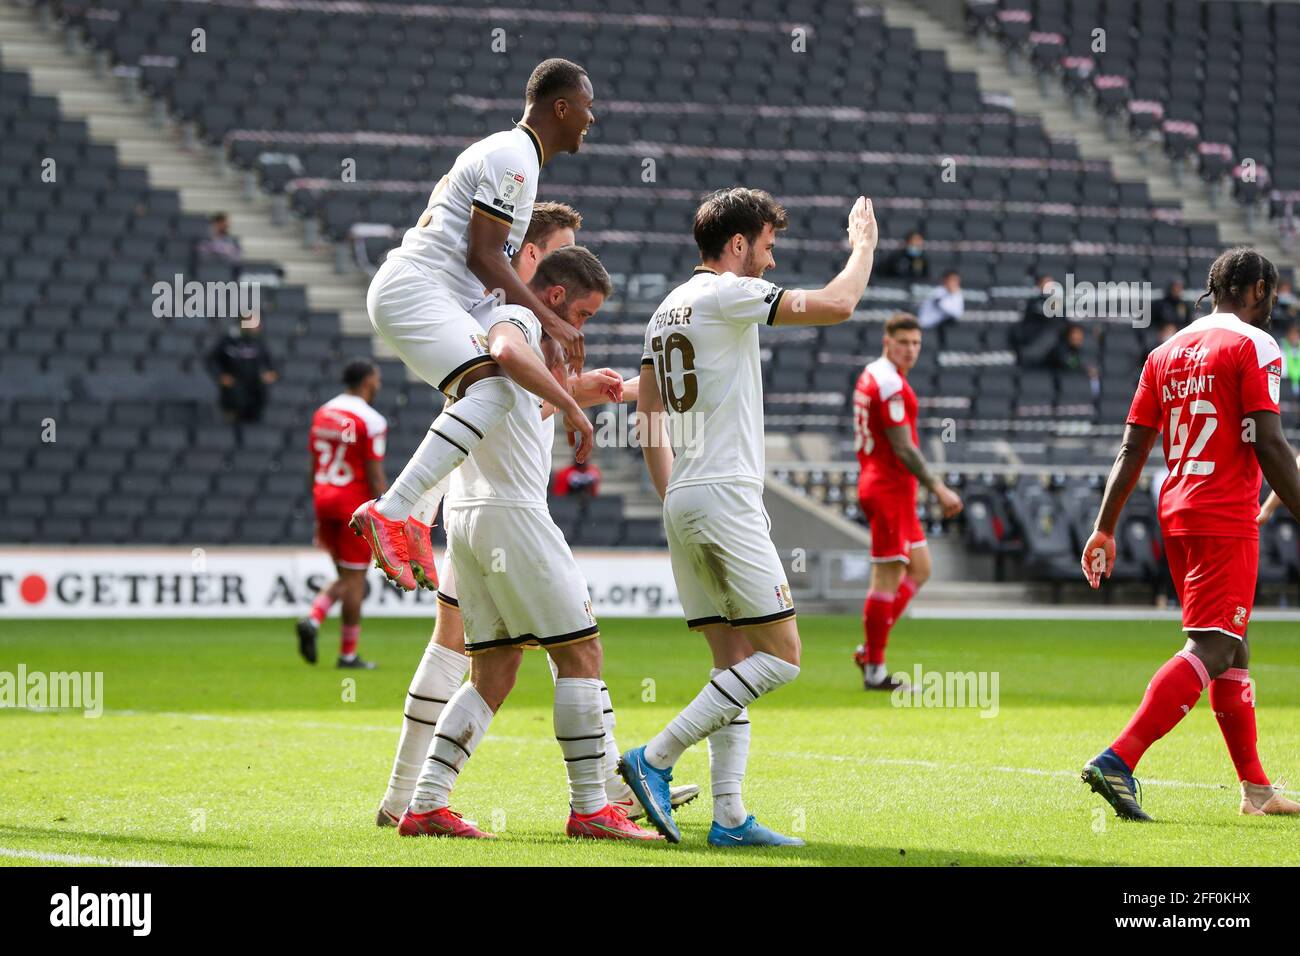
(702, 342)
(495, 177)
(512, 464)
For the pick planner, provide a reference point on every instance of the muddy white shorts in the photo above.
(724, 562)
(517, 581)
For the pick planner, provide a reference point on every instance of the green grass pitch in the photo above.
(219, 746)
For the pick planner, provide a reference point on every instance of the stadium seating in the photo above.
(289, 94)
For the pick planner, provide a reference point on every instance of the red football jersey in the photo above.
(882, 399)
(1197, 388)
(345, 434)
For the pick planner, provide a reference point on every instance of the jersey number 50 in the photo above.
(663, 350)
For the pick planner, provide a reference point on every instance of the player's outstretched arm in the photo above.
(484, 257)
(650, 430)
(1278, 462)
(900, 440)
(590, 389)
(1098, 558)
(510, 349)
(835, 302)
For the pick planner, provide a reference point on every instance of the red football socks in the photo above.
(877, 618)
(320, 607)
(1233, 699)
(907, 588)
(1170, 696)
(351, 634)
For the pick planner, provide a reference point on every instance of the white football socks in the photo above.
(451, 438)
(461, 726)
(728, 755)
(718, 704)
(616, 788)
(438, 676)
(426, 509)
(579, 729)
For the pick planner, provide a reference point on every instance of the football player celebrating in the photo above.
(890, 467)
(701, 377)
(1212, 389)
(347, 468)
(518, 581)
(443, 665)
(421, 299)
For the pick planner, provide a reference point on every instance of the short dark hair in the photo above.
(551, 79)
(549, 217)
(357, 371)
(728, 212)
(1232, 272)
(902, 322)
(577, 269)
(949, 272)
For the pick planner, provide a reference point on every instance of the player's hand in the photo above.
(949, 501)
(863, 231)
(567, 338)
(597, 386)
(1098, 559)
(581, 435)
(1267, 509)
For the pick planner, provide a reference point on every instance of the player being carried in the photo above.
(442, 667)
(347, 468)
(519, 584)
(452, 266)
(1212, 389)
(890, 467)
(701, 376)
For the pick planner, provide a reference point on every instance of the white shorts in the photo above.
(425, 323)
(518, 582)
(724, 562)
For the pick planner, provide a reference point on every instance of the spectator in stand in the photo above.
(909, 262)
(1286, 313)
(1291, 357)
(220, 244)
(1036, 335)
(1165, 331)
(944, 303)
(579, 478)
(243, 368)
(1068, 356)
(1171, 308)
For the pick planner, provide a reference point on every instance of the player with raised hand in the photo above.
(890, 468)
(701, 377)
(518, 581)
(443, 665)
(347, 467)
(456, 261)
(1212, 389)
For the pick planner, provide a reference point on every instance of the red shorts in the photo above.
(346, 547)
(895, 528)
(1214, 576)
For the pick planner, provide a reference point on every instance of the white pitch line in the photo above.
(72, 858)
(794, 755)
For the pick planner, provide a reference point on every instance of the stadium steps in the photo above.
(1088, 132)
(66, 71)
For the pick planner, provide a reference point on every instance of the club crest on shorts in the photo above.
(1239, 618)
(480, 342)
(783, 599)
(586, 606)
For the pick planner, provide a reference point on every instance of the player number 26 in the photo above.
(331, 467)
